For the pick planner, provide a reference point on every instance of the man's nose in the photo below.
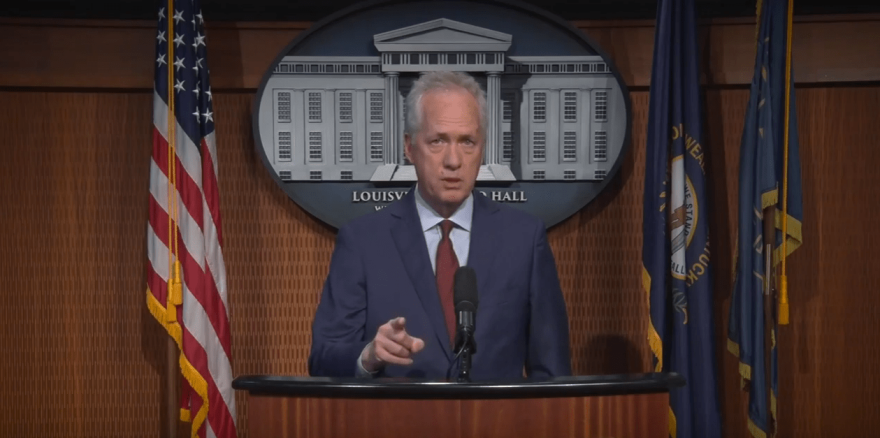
(452, 156)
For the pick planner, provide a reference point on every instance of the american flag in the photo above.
(185, 210)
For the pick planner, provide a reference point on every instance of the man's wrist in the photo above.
(364, 365)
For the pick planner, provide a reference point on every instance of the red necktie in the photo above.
(447, 263)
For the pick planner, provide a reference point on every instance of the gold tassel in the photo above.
(175, 294)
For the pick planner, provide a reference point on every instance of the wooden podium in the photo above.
(607, 406)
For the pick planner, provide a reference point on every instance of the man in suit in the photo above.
(386, 308)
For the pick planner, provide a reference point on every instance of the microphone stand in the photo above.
(465, 345)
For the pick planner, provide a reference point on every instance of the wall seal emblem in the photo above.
(328, 116)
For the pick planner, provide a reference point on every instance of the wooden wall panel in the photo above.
(84, 358)
(119, 54)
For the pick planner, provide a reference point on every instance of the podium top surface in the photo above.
(402, 388)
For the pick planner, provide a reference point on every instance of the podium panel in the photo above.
(589, 406)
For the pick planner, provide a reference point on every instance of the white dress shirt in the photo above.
(460, 236)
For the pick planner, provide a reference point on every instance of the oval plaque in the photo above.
(328, 116)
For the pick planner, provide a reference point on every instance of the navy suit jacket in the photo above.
(380, 269)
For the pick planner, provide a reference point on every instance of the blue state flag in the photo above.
(676, 257)
(763, 184)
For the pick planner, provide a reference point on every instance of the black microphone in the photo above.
(466, 300)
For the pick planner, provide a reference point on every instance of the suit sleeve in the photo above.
(338, 331)
(548, 337)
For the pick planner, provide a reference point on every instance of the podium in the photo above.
(604, 406)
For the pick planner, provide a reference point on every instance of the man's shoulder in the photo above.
(372, 222)
(508, 216)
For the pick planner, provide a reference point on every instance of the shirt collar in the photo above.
(430, 218)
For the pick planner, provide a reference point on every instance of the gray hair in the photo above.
(441, 80)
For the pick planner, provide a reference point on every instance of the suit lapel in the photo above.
(484, 238)
(410, 241)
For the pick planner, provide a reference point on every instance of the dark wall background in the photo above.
(82, 357)
(259, 10)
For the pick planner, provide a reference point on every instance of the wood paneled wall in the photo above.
(83, 357)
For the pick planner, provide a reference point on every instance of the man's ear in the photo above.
(407, 147)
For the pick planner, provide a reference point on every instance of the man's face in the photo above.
(448, 149)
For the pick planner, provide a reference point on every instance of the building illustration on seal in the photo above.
(332, 118)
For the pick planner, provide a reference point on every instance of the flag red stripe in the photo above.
(189, 190)
(205, 291)
(211, 189)
(218, 413)
(158, 287)
(158, 221)
(221, 419)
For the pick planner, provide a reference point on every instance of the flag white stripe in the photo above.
(212, 148)
(199, 326)
(210, 251)
(160, 115)
(157, 253)
(203, 333)
(214, 256)
(189, 229)
(186, 150)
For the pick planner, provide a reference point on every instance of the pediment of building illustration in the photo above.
(442, 35)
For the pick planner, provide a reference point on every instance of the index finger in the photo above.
(398, 324)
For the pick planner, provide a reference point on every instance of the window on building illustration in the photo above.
(315, 146)
(345, 106)
(284, 146)
(600, 68)
(395, 58)
(346, 175)
(299, 68)
(374, 68)
(315, 107)
(376, 106)
(538, 174)
(452, 58)
(569, 174)
(285, 175)
(507, 146)
(569, 146)
(377, 146)
(569, 110)
(284, 68)
(433, 58)
(539, 107)
(490, 58)
(555, 68)
(539, 146)
(359, 68)
(471, 58)
(314, 68)
(315, 175)
(569, 68)
(283, 109)
(344, 68)
(600, 146)
(585, 68)
(346, 146)
(507, 107)
(600, 174)
(600, 106)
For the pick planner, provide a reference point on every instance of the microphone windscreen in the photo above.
(465, 290)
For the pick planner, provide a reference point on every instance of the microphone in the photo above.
(466, 300)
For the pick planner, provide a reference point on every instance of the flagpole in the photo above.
(783, 278)
(769, 299)
(171, 357)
